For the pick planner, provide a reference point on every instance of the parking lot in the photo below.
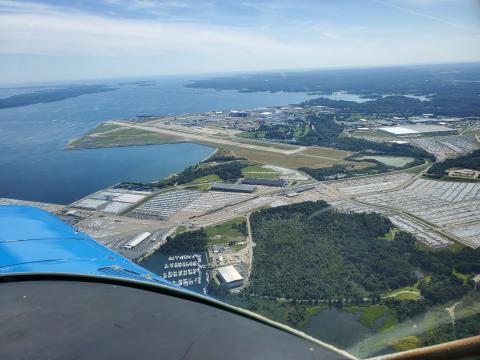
(443, 147)
(470, 233)
(214, 200)
(373, 184)
(166, 204)
(420, 231)
(444, 204)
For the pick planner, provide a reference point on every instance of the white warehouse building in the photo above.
(230, 276)
(418, 130)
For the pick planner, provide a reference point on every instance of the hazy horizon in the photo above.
(198, 76)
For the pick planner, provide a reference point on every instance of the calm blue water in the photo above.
(34, 167)
(336, 327)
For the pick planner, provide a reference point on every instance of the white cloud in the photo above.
(143, 46)
(80, 34)
(422, 14)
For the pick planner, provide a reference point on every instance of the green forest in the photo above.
(191, 241)
(311, 251)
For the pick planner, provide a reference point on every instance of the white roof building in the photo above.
(408, 130)
(398, 130)
(230, 276)
(137, 240)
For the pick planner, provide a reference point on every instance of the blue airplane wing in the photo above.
(33, 240)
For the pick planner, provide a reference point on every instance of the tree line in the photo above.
(469, 161)
(226, 171)
(186, 242)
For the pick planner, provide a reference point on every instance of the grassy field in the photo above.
(331, 153)
(200, 187)
(407, 343)
(180, 229)
(417, 170)
(390, 235)
(292, 161)
(224, 233)
(460, 276)
(258, 171)
(276, 145)
(369, 315)
(405, 293)
(99, 129)
(206, 178)
(121, 137)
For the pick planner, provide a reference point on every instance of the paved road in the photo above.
(250, 245)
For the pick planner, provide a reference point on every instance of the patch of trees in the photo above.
(296, 315)
(217, 291)
(394, 149)
(336, 172)
(469, 161)
(442, 289)
(284, 132)
(226, 171)
(443, 262)
(273, 132)
(406, 308)
(222, 158)
(324, 131)
(310, 251)
(191, 241)
(241, 227)
(343, 171)
(463, 328)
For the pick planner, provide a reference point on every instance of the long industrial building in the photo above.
(137, 240)
(233, 188)
(265, 182)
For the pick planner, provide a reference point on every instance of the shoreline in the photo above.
(113, 146)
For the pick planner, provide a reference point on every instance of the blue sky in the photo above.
(87, 39)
